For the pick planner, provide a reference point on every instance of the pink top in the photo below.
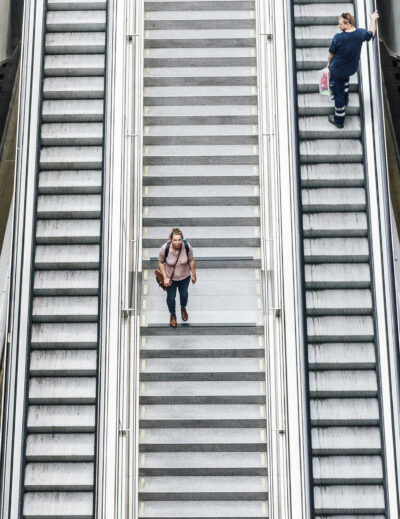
(182, 269)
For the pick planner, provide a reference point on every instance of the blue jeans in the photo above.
(182, 287)
(340, 91)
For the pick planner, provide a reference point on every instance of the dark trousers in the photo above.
(340, 91)
(182, 287)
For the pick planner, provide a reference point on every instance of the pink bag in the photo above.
(324, 75)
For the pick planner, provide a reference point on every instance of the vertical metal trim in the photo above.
(303, 336)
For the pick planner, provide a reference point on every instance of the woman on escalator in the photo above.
(177, 265)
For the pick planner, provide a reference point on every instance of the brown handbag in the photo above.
(160, 277)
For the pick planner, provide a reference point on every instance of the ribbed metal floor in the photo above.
(343, 386)
(202, 399)
(61, 414)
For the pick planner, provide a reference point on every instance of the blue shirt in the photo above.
(346, 47)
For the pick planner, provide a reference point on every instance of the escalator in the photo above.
(57, 466)
(343, 364)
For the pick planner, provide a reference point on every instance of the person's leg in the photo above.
(171, 294)
(183, 287)
(338, 91)
(346, 91)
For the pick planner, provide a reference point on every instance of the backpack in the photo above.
(169, 245)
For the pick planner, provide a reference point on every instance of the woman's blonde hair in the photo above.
(175, 230)
(349, 18)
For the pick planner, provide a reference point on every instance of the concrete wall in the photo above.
(389, 25)
(5, 29)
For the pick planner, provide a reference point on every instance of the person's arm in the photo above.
(192, 266)
(332, 50)
(374, 16)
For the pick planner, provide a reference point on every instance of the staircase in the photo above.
(202, 448)
(61, 413)
(344, 399)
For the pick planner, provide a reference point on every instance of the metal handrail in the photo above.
(387, 336)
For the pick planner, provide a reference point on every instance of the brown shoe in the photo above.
(172, 320)
(185, 316)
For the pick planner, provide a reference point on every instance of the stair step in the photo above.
(53, 505)
(59, 477)
(344, 411)
(61, 309)
(197, 509)
(76, 21)
(340, 328)
(308, 80)
(195, 100)
(347, 470)
(70, 181)
(320, 13)
(196, 132)
(332, 175)
(345, 440)
(66, 5)
(158, 439)
(159, 393)
(311, 58)
(350, 499)
(74, 65)
(75, 42)
(68, 231)
(75, 134)
(206, 318)
(187, 120)
(336, 356)
(203, 5)
(339, 302)
(328, 150)
(337, 275)
(201, 365)
(202, 353)
(334, 224)
(66, 282)
(71, 157)
(333, 199)
(336, 250)
(73, 110)
(345, 383)
(189, 22)
(68, 206)
(187, 151)
(200, 342)
(193, 16)
(61, 363)
(202, 460)
(84, 87)
(201, 195)
(62, 390)
(234, 488)
(64, 335)
(220, 329)
(60, 447)
(315, 104)
(61, 418)
(314, 36)
(51, 257)
(188, 215)
(318, 127)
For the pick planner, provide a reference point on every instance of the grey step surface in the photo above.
(343, 393)
(59, 451)
(202, 446)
